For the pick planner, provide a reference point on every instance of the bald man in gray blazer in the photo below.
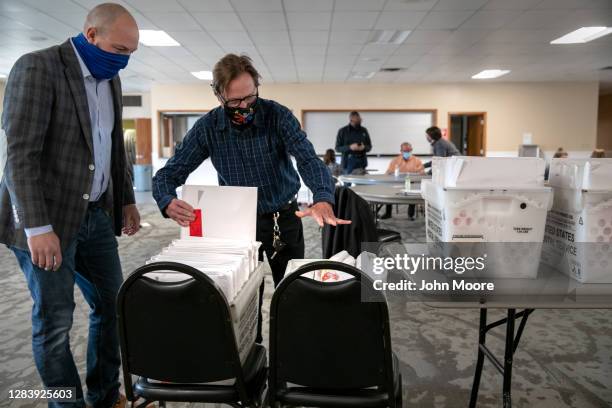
(65, 194)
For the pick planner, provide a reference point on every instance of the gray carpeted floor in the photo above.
(565, 357)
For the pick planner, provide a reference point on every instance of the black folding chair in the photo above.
(178, 337)
(328, 348)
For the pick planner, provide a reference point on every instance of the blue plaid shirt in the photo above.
(258, 156)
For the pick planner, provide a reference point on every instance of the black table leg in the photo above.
(508, 358)
(482, 337)
(512, 342)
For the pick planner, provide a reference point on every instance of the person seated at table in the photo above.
(330, 161)
(440, 147)
(405, 162)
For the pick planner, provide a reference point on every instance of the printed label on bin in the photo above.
(195, 227)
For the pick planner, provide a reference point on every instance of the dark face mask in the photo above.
(241, 117)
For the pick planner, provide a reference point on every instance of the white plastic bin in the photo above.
(579, 234)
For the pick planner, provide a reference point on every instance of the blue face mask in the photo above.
(101, 64)
(406, 155)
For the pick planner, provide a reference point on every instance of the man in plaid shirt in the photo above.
(250, 141)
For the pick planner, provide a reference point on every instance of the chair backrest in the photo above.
(323, 335)
(176, 331)
(349, 205)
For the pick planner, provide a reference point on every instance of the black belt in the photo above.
(291, 204)
(95, 204)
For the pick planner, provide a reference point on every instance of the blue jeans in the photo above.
(92, 261)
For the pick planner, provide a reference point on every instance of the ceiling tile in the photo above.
(489, 19)
(540, 19)
(219, 21)
(309, 37)
(270, 37)
(270, 21)
(574, 4)
(275, 50)
(172, 21)
(401, 60)
(511, 5)
(349, 37)
(206, 5)
(441, 20)
(428, 36)
(312, 50)
(403, 5)
(413, 49)
(372, 50)
(344, 49)
(310, 5)
(459, 4)
(230, 38)
(309, 20)
(257, 5)
(354, 20)
(359, 5)
(156, 5)
(399, 20)
(196, 37)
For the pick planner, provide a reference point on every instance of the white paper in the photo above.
(227, 212)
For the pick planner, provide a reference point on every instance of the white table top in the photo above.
(388, 194)
(382, 178)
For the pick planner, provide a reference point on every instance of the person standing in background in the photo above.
(66, 193)
(440, 146)
(353, 141)
(405, 162)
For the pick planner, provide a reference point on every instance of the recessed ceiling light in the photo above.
(383, 37)
(157, 38)
(362, 75)
(490, 73)
(203, 75)
(583, 35)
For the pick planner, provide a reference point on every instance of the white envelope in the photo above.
(220, 245)
(212, 259)
(223, 279)
(227, 212)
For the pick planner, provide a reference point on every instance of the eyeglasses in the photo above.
(234, 103)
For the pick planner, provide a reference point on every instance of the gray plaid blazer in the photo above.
(50, 149)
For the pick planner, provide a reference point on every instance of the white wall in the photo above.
(557, 114)
(143, 111)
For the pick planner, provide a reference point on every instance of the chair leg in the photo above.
(399, 397)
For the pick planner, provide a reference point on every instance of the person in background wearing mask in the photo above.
(440, 147)
(405, 162)
(67, 192)
(250, 140)
(353, 141)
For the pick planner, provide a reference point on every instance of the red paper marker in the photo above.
(195, 227)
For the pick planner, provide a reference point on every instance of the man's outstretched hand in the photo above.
(323, 213)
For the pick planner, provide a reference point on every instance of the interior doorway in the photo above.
(468, 131)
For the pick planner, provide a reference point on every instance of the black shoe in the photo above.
(411, 218)
(385, 216)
